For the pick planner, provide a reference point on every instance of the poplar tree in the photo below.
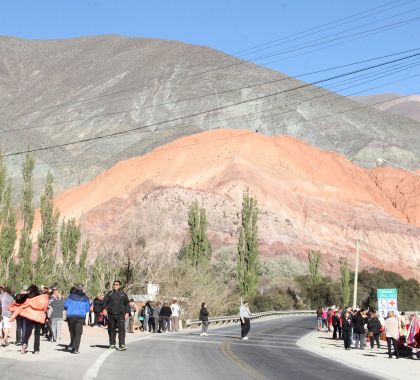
(48, 236)
(7, 224)
(315, 278)
(248, 246)
(27, 213)
(198, 250)
(345, 282)
(69, 238)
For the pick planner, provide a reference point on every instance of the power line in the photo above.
(321, 28)
(212, 110)
(200, 73)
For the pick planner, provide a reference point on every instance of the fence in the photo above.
(235, 318)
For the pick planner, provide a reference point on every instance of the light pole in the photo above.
(356, 268)
(356, 272)
(381, 162)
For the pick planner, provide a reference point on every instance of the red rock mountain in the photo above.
(308, 199)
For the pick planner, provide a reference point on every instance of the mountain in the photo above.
(408, 106)
(308, 199)
(59, 91)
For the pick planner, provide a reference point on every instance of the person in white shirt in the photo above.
(245, 315)
(175, 316)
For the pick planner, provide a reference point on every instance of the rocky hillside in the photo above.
(308, 199)
(405, 106)
(55, 92)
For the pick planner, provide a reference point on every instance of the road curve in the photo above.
(270, 353)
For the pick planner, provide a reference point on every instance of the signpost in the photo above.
(387, 301)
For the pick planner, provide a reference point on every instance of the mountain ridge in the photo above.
(54, 81)
(303, 206)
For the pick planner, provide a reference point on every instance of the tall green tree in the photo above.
(315, 277)
(198, 249)
(7, 234)
(248, 246)
(345, 282)
(69, 238)
(316, 288)
(48, 236)
(27, 212)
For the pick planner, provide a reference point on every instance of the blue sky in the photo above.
(235, 25)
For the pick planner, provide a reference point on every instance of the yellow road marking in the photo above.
(225, 347)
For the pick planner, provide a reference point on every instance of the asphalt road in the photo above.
(270, 353)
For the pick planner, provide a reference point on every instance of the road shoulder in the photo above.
(374, 362)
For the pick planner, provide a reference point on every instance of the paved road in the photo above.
(270, 353)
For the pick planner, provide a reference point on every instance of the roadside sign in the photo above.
(387, 301)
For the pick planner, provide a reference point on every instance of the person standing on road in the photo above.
(346, 328)
(174, 316)
(131, 317)
(6, 300)
(77, 305)
(245, 315)
(165, 316)
(116, 307)
(374, 329)
(204, 318)
(32, 309)
(97, 306)
(56, 317)
(392, 333)
(156, 315)
(359, 330)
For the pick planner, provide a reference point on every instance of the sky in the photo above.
(356, 30)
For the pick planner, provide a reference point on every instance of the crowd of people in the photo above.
(42, 310)
(358, 326)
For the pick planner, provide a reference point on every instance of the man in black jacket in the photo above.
(116, 307)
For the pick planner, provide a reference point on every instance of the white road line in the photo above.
(93, 370)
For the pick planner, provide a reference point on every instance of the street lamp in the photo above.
(356, 273)
(381, 162)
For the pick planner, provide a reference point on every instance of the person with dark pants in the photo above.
(117, 308)
(98, 306)
(77, 305)
(28, 326)
(245, 316)
(165, 316)
(374, 329)
(20, 298)
(336, 326)
(32, 309)
(204, 318)
(346, 330)
(19, 330)
(392, 333)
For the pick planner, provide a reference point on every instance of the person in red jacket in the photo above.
(32, 309)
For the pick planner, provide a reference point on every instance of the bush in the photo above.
(275, 299)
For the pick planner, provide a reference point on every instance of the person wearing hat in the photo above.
(77, 305)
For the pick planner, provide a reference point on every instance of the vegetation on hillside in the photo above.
(59, 256)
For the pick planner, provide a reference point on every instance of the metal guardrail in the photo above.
(236, 319)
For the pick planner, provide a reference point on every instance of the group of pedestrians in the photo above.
(41, 312)
(356, 326)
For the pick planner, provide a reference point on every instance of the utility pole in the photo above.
(356, 273)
